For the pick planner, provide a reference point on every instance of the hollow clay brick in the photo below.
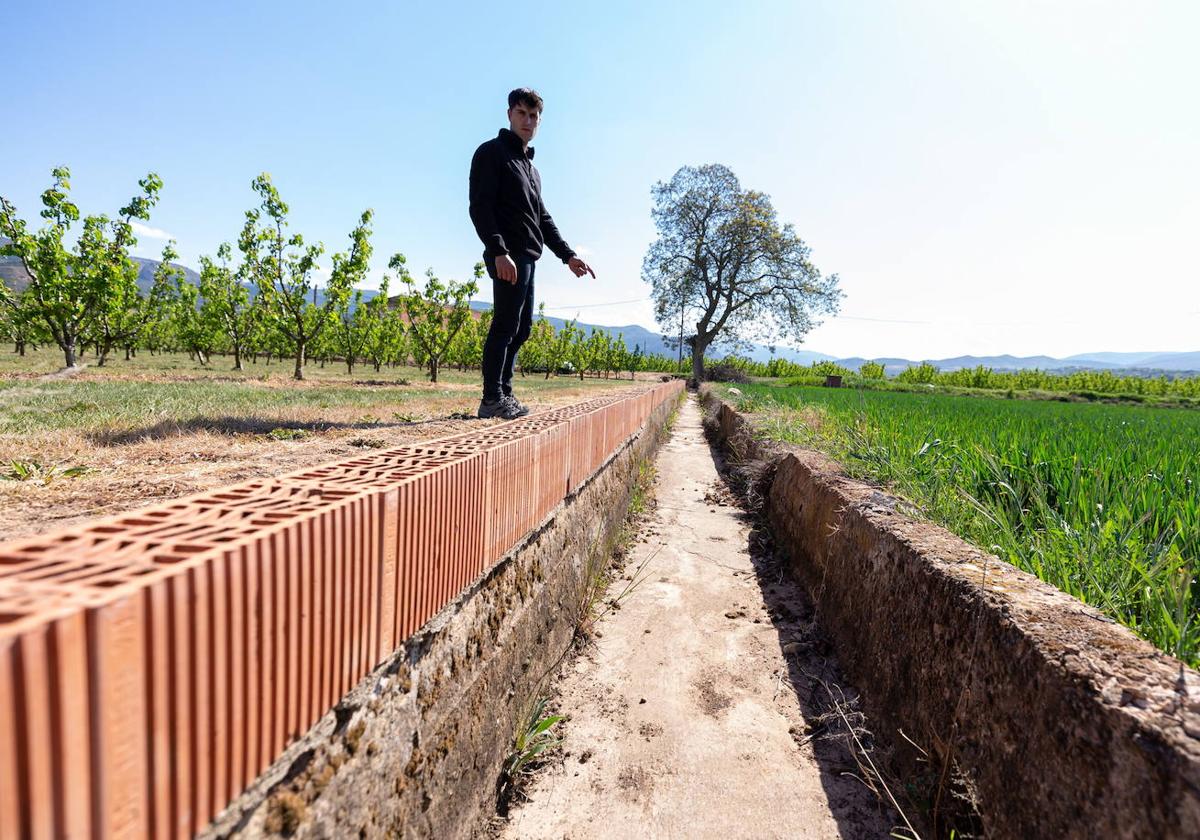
(45, 771)
(207, 632)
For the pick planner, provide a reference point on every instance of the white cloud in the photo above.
(150, 232)
(584, 251)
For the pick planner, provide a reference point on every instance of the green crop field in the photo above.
(1098, 500)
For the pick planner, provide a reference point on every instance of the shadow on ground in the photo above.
(233, 426)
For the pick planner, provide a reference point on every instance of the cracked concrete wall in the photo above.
(415, 750)
(1064, 722)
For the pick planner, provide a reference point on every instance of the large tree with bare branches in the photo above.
(724, 265)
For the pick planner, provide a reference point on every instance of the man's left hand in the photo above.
(579, 267)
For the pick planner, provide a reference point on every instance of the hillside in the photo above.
(15, 277)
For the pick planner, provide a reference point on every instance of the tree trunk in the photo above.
(237, 358)
(299, 372)
(698, 361)
(433, 368)
(69, 353)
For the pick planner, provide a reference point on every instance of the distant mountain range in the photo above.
(15, 277)
(652, 342)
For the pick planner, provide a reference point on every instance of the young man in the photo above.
(512, 221)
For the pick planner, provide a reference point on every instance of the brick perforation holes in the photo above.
(153, 664)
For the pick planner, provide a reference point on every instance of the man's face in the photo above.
(524, 120)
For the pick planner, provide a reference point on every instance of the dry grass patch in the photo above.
(147, 436)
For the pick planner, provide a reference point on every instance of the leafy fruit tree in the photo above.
(585, 349)
(436, 313)
(194, 326)
(562, 347)
(18, 320)
(226, 296)
(69, 287)
(466, 350)
(140, 321)
(723, 261)
(535, 352)
(350, 329)
(634, 361)
(871, 370)
(383, 333)
(283, 269)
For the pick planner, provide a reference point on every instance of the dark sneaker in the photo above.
(501, 408)
(521, 408)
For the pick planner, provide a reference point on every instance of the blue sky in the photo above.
(984, 177)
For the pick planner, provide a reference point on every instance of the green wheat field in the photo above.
(1098, 500)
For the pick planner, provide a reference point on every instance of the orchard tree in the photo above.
(350, 330)
(118, 306)
(139, 323)
(436, 313)
(19, 322)
(535, 352)
(69, 287)
(226, 299)
(724, 263)
(283, 271)
(871, 370)
(385, 340)
(194, 327)
(562, 347)
(481, 326)
(615, 355)
(634, 361)
(586, 350)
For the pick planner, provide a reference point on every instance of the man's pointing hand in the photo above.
(579, 267)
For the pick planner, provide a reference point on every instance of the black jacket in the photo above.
(506, 203)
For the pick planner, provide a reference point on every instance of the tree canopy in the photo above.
(724, 263)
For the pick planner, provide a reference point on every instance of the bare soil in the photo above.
(130, 468)
(710, 705)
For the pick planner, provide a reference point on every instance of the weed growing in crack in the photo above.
(533, 739)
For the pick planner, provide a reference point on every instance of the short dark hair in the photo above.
(525, 96)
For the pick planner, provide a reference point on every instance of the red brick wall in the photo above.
(153, 664)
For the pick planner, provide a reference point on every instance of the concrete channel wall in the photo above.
(1064, 723)
(154, 664)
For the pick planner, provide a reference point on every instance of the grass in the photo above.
(1098, 500)
(1036, 394)
(159, 427)
(170, 388)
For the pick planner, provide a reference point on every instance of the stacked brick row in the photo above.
(152, 665)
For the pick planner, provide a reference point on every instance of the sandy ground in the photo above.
(702, 709)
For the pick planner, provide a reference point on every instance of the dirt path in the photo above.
(687, 719)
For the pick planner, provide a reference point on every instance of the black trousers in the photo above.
(512, 320)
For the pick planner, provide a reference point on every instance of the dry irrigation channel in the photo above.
(471, 637)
